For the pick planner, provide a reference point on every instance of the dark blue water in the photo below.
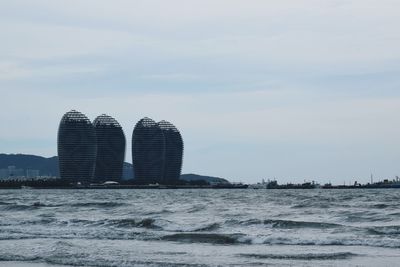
(200, 227)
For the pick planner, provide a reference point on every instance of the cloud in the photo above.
(258, 89)
(17, 72)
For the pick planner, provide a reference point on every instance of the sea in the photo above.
(199, 227)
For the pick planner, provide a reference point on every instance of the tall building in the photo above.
(148, 152)
(14, 172)
(173, 152)
(110, 149)
(32, 173)
(76, 147)
(3, 173)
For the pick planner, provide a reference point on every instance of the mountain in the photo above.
(209, 179)
(49, 167)
(46, 166)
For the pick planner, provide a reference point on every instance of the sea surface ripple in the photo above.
(200, 227)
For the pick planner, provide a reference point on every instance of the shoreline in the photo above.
(188, 187)
(132, 187)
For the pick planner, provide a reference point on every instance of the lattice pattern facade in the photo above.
(173, 153)
(148, 152)
(76, 147)
(110, 149)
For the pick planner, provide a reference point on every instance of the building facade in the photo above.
(173, 155)
(3, 173)
(32, 173)
(148, 152)
(110, 149)
(13, 172)
(77, 148)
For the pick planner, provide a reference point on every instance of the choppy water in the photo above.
(200, 227)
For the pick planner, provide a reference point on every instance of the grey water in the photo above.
(200, 227)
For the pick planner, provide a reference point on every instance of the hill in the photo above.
(210, 179)
(46, 166)
(49, 167)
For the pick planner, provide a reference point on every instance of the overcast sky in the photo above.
(259, 89)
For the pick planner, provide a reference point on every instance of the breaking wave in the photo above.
(289, 224)
(308, 256)
(207, 238)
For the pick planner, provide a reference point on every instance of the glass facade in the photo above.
(173, 153)
(148, 152)
(94, 152)
(110, 149)
(76, 148)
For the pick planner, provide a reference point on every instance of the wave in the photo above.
(10, 257)
(123, 223)
(384, 230)
(196, 208)
(366, 242)
(45, 220)
(119, 223)
(18, 207)
(79, 260)
(21, 207)
(163, 211)
(380, 206)
(366, 217)
(145, 223)
(97, 204)
(208, 228)
(289, 224)
(310, 204)
(308, 256)
(207, 238)
(38, 204)
(300, 224)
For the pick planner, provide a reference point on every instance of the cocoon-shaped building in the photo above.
(110, 149)
(148, 152)
(77, 148)
(173, 155)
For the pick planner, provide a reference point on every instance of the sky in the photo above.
(292, 90)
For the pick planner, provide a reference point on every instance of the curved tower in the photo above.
(148, 149)
(76, 147)
(173, 152)
(110, 149)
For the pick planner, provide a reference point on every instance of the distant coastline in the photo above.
(21, 170)
(31, 171)
(385, 184)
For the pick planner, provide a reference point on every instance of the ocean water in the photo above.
(200, 227)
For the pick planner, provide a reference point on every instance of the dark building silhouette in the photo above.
(110, 149)
(148, 151)
(76, 147)
(173, 153)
